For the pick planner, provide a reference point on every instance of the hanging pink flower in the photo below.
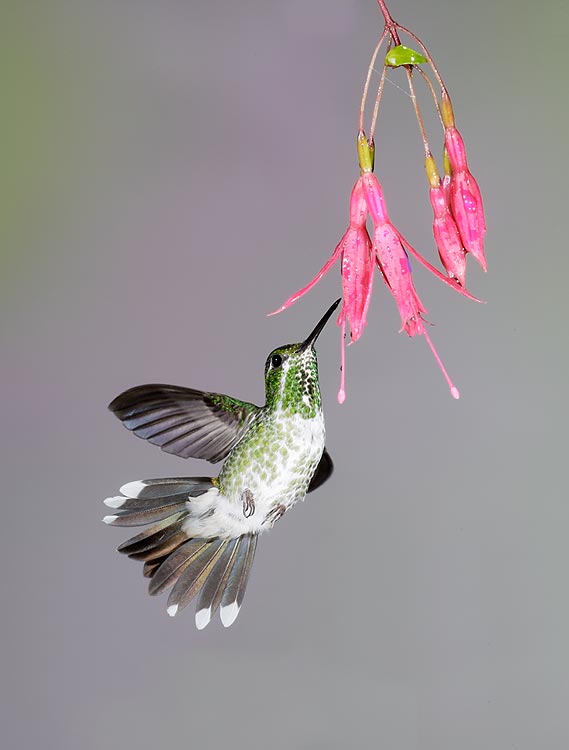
(445, 231)
(389, 247)
(354, 250)
(465, 198)
(447, 237)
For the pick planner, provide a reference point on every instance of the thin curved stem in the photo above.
(433, 92)
(376, 105)
(368, 78)
(418, 111)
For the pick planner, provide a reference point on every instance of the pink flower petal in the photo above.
(324, 270)
(357, 282)
(374, 198)
(447, 237)
(465, 198)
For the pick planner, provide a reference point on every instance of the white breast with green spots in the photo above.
(262, 478)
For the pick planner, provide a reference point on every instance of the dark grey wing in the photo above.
(184, 421)
(323, 472)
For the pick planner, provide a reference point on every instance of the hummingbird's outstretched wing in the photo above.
(323, 472)
(184, 421)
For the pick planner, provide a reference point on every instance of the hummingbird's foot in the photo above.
(273, 515)
(248, 503)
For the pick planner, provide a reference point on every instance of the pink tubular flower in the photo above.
(357, 266)
(465, 198)
(389, 246)
(446, 235)
(357, 274)
(445, 231)
(395, 268)
(390, 249)
(378, 211)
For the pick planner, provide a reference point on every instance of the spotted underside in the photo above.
(275, 466)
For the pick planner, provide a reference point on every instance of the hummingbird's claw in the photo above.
(273, 516)
(248, 503)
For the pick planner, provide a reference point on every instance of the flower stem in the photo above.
(368, 79)
(376, 105)
(418, 111)
(433, 92)
(390, 24)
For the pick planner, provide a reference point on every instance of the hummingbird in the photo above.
(203, 531)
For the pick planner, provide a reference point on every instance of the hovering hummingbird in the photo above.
(204, 530)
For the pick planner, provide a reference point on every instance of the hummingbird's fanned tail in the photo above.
(174, 555)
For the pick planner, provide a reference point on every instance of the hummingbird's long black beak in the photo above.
(319, 326)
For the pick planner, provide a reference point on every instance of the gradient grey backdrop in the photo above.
(171, 172)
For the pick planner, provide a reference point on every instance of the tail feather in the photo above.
(212, 591)
(150, 489)
(237, 581)
(194, 576)
(174, 565)
(145, 543)
(141, 517)
(152, 534)
(153, 500)
(136, 503)
(216, 568)
(162, 549)
(150, 567)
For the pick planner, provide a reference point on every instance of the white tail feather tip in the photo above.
(172, 609)
(109, 519)
(202, 618)
(132, 489)
(229, 614)
(114, 502)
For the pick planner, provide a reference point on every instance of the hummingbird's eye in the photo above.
(276, 360)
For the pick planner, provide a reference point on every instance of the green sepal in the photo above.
(446, 163)
(366, 153)
(402, 55)
(371, 144)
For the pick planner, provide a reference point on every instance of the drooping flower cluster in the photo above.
(458, 215)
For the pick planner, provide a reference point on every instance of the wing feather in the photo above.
(184, 421)
(323, 472)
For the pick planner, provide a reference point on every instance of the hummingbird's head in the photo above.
(291, 374)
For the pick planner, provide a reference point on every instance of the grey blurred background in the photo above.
(171, 171)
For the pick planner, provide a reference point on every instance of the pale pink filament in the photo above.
(342, 391)
(454, 392)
